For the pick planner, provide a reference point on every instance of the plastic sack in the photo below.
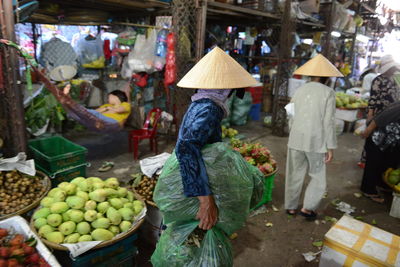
(237, 186)
(141, 58)
(90, 52)
(127, 37)
(172, 251)
(240, 109)
(170, 65)
(360, 127)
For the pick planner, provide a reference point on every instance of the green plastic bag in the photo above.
(236, 185)
(172, 250)
(240, 109)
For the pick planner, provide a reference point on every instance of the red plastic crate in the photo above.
(256, 94)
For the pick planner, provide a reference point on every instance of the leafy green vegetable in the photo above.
(42, 109)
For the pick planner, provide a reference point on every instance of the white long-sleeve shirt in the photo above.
(313, 124)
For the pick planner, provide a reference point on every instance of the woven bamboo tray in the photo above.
(47, 183)
(101, 245)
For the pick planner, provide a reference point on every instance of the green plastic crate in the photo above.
(121, 254)
(65, 175)
(56, 153)
(267, 195)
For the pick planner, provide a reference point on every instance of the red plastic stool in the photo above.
(149, 131)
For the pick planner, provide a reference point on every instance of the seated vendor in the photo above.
(117, 110)
(117, 107)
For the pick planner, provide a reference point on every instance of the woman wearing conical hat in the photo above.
(215, 75)
(312, 137)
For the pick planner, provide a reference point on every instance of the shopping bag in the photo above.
(173, 249)
(236, 185)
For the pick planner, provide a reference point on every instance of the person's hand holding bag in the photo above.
(208, 212)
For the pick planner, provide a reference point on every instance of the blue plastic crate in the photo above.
(121, 254)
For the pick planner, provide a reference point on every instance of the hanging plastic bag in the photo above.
(90, 52)
(236, 185)
(127, 37)
(170, 65)
(141, 58)
(173, 249)
(132, 59)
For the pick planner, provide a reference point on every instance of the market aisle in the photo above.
(284, 242)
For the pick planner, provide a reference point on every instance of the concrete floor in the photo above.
(256, 244)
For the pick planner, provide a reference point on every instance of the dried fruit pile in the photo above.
(85, 210)
(18, 190)
(16, 251)
(257, 155)
(145, 187)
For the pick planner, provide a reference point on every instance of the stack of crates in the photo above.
(59, 158)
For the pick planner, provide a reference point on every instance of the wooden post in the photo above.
(353, 44)
(329, 27)
(280, 98)
(12, 123)
(201, 28)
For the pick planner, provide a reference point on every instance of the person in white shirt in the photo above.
(312, 137)
(368, 76)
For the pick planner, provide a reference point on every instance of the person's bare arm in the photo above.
(370, 115)
(102, 110)
(119, 109)
(208, 212)
(371, 127)
(329, 156)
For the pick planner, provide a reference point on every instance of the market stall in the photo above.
(90, 219)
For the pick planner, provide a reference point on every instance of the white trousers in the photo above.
(296, 168)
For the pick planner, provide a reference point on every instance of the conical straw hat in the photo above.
(217, 70)
(319, 66)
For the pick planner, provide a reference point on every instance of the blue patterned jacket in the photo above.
(201, 125)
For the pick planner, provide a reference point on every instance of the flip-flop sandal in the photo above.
(291, 212)
(107, 165)
(375, 198)
(309, 216)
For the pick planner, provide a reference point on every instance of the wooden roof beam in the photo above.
(247, 11)
(134, 4)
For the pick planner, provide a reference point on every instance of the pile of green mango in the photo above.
(349, 101)
(86, 209)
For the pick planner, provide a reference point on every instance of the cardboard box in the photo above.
(352, 243)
